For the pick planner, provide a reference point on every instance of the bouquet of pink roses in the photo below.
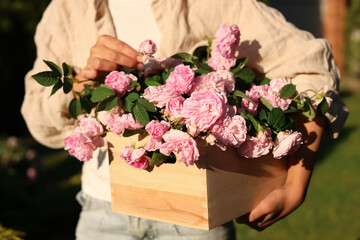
(208, 94)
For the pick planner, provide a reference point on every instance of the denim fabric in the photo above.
(97, 221)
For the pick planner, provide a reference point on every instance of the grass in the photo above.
(45, 208)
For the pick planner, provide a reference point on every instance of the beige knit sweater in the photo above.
(275, 47)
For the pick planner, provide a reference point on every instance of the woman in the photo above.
(86, 33)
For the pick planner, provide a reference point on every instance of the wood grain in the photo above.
(221, 187)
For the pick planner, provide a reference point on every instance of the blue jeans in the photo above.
(97, 221)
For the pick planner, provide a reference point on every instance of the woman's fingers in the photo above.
(88, 73)
(120, 52)
(109, 55)
(100, 64)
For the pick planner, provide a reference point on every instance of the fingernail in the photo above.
(139, 66)
(139, 58)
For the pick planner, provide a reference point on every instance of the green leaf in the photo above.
(276, 118)
(110, 103)
(309, 111)
(132, 97)
(291, 109)
(47, 78)
(101, 93)
(266, 103)
(140, 114)
(203, 66)
(289, 124)
(201, 52)
(133, 83)
(241, 94)
(245, 74)
(158, 158)
(68, 85)
(129, 133)
(165, 75)
(240, 63)
(184, 56)
(287, 91)
(66, 69)
(263, 115)
(199, 72)
(147, 105)
(56, 87)
(86, 104)
(54, 68)
(150, 82)
(322, 108)
(263, 80)
(157, 78)
(129, 106)
(107, 104)
(75, 108)
(255, 123)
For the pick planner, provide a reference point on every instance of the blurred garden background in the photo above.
(38, 185)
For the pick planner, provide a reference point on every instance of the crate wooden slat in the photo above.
(219, 188)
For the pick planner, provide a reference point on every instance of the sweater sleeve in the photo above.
(47, 117)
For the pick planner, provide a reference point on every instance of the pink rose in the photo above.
(160, 95)
(106, 116)
(277, 102)
(230, 131)
(159, 64)
(130, 123)
(173, 108)
(181, 144)
(254, 94)
(204, 109)
(79, 145)
(135, 158)
(116, 125)
(227, 39)
(219, 62)
(90, 126)
(120, 81)
(277, 84)
(220, 81)
(224, 47)
(148, 47)
(181, 79)
(112, 120)
(255, 147)
(157, 129)
(93, 129)
(273, 94)
(286, 143)
(153, 144)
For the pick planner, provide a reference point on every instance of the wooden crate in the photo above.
(219, 188)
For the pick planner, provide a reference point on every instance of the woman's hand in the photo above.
(107, 55)
(283, 201)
